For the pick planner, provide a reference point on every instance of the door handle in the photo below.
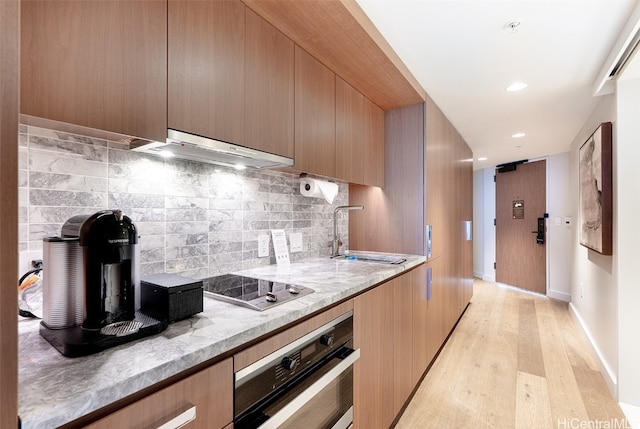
(540, 232)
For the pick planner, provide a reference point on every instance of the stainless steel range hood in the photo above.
(192, 147)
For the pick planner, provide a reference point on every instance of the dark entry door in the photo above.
(520, 250)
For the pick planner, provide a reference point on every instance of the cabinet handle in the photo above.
(429, 283)
(181, 419)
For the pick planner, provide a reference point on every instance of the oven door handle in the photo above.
(308, 394)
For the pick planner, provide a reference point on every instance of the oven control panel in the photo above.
(290, 364)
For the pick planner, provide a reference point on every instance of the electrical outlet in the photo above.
(295, 242)
(263, 246)
(25, 259)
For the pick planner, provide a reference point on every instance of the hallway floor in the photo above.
(515, 360)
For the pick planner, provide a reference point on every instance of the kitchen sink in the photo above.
(372, 257)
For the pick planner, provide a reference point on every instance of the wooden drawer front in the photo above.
(260, 350)
(210, 391)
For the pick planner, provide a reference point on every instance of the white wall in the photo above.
(478, 223)
(594, 290)
(559, 233)
(484, 236)
(627, 214)
(559, 236)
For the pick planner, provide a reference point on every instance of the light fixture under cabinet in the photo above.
(516, 86)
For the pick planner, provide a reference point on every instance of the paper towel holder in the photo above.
(305, 175)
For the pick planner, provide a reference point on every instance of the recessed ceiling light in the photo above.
(517, 86)
(482, 158)
(518, 135)
(511, 26)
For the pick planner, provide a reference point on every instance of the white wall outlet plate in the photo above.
(263, 246)
(25, 259)
(295, 242)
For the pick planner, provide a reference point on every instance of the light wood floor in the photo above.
(515, 360)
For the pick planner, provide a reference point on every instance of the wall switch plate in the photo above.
(558, 221)
(263, 246)
(567, 221)
(295, 242)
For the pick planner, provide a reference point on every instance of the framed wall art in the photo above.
(596, 197)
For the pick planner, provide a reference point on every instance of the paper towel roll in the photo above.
(318, 189)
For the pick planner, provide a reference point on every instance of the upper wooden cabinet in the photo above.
(98, 64)
(315, 138)
(359, 137)
(230, 76)
(373, 156)
(349, 133)
(269, 71)
(206, 68)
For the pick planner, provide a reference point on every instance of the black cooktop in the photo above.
(250, 292)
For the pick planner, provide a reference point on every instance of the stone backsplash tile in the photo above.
(195, 219)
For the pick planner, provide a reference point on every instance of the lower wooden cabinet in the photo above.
(399, 331)
(384, 332)
(403, 339)
(373, 372)
(423, 350)
(208, 395)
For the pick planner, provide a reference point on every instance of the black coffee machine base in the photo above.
(76, 342)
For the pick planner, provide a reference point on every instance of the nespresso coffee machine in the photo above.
(95, 263)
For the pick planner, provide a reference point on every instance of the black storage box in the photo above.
(170, 297)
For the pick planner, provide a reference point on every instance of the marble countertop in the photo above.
(55, 390)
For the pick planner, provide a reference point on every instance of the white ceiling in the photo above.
(464, 58)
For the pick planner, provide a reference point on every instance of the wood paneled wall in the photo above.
(428, 180)
(393, 217)
(9, 102)
(449, 203)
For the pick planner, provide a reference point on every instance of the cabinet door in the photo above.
(210, 391)
(403, 338)
(98, 64)
(268, 82)
(373, 377)
(438, 306)
(422, 353)
(315, 130)
(373, 172)
(206, 68)
(349, 133)
(439, 183)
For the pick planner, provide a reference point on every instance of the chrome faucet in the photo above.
(336, 243)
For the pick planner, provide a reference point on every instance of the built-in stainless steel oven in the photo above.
(306, 384)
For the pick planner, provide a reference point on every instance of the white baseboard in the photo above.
(609, 376)
(566, 297)
(489, 278)
(477, 274)
(632, 414)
